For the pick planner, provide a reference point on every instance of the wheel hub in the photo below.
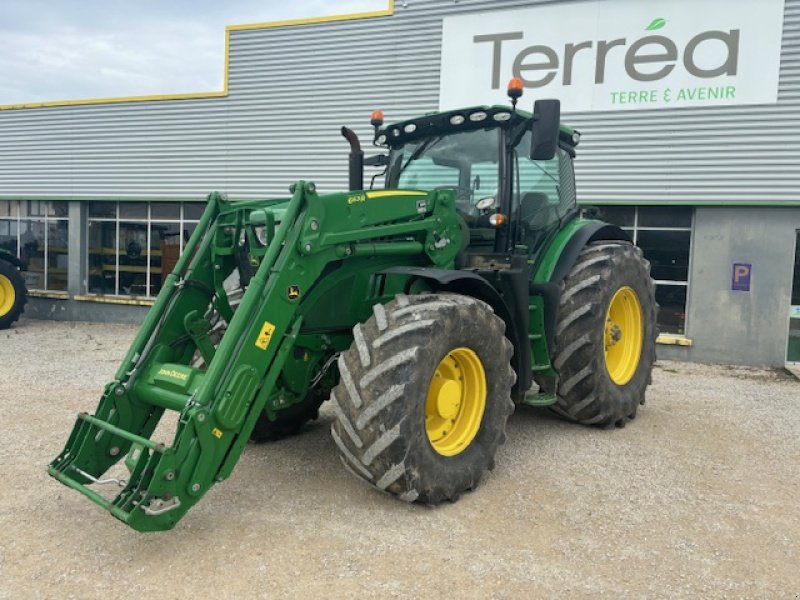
(623, 336)
(613, 334)
(455, 402)
(448, 397)
(7, 295)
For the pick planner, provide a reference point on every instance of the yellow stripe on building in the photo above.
(388, 12)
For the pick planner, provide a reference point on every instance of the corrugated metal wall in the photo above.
(292, 88)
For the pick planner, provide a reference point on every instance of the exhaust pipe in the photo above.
(356, 160)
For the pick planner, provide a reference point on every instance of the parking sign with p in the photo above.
(742, 273)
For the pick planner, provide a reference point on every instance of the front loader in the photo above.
(422, 312)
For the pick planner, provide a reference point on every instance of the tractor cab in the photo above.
(510, 171)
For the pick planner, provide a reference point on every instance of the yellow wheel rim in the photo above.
(7, 295)
(456, 401)
(624, 334)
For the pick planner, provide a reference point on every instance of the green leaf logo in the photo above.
(656, 24)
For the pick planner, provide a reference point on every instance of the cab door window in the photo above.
(544, 192)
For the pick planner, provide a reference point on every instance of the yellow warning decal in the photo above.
(387, 193)
(265, 336)
(217, 432)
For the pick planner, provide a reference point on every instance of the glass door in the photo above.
(793, 350)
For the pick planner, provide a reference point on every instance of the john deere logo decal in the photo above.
(293, 293)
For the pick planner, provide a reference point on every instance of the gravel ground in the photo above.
(696, 498)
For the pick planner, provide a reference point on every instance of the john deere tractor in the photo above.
(422, 313)
(13, 293)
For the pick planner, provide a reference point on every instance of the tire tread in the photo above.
(370, 427)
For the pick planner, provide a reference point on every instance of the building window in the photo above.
(664, 234)
(37, 233)
(133, 246)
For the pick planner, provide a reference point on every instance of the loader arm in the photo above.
(218, 404)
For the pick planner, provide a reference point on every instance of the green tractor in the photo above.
(13, 293)
(422, 312)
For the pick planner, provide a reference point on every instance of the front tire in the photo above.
(289, 421)
(605, 337)
(424, 396)
(13, 294)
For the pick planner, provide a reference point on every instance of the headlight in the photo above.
(410, 128)
(457, 119)
(502, 116)
(478, 116)
(261, 236)
(380, 140)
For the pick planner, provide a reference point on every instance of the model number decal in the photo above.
(356, 199)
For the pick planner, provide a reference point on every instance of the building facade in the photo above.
(690, 141)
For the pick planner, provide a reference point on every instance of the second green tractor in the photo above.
(423, 313)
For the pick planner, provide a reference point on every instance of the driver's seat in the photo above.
(531, 205)
(534, 215)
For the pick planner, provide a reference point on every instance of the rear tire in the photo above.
(603, 366)
(395, 427)
(13, 294)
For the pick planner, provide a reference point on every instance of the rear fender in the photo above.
(566, 254)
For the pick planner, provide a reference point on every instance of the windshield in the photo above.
(464, 162)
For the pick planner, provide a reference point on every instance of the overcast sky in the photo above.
(72, 49)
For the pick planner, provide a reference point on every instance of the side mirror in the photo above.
(379, 160)
(546, 127)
